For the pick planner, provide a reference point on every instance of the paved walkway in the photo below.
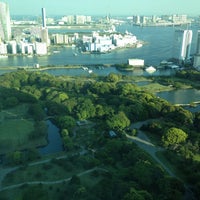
(145, 143)
(50, 182)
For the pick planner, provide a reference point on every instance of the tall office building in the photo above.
(44, 30)
(196, 63)
(5, 28)
(182, 45)
(43, 18)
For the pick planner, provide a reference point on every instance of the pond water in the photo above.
(55, 143)
(181, 96)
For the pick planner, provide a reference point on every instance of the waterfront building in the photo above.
(179, 19)
(196, 63)
(40, 48)
(44, 35)
(70, 19)
(60, 39)
(123, 41)
(25, 48)
(3, 48)
(86, 38)
(136, 19)
(136, 62)
(182, 45)
(144, 20)
(44, 30)
(5, 27)
(80, 19)
(12, 47)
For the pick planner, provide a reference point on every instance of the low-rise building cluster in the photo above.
(108, 42)
(164, 20)
(23, 48)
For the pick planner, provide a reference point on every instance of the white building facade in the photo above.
(196, 63)
(182, 45)
(5, 27)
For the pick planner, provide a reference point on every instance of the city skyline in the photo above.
(103, 7)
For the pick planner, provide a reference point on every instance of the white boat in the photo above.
(84, 68)
(139, 45)
(150, 69)
(75, 54)
(90, 71)
(56, 51)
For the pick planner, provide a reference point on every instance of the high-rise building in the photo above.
(44, 30)
(5, 28)
(182, 45)
(43, 18)
(196, 63)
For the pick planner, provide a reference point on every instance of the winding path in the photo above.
(50, 182)
(144, 143)
(5, 171)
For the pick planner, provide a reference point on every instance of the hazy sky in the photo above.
(103, 7)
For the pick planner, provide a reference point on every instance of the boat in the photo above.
(139, 45)
(90, 71)
(56, 51)
(150, 69)
(75, 54)
(84, 68)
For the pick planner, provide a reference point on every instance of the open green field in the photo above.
(14, 134)
(15, 128)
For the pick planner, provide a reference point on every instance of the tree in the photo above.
(174, 136)
(66, 122)
(118, 121)
(37, 112)
(128, 88)
(113, 77)
(35, 192)
(137, 195)
(85, 109)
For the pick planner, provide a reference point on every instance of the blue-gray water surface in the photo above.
(55, 143)
(159, 47)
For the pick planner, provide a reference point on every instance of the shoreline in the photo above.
(42, 68)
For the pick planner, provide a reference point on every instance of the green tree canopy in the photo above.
(118, 121)
(174, 136)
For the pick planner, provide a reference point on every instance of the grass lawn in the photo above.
(14, 134)
(156, 87)
(15, 128)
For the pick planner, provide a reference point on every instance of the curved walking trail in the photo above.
(50, 182)
(144, 143)
(5, 171)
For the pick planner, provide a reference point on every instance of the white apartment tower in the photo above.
(196, 63)
(5, 28)
(182, 45)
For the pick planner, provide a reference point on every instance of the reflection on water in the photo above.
(105, 71)
(54, 140)
(182, 96)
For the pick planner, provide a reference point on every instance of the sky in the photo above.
(104, 7)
